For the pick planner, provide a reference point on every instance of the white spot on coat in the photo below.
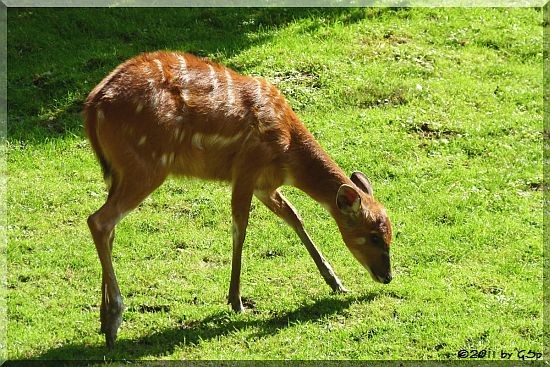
(259, 92)
(161, 70)
(185, 95)
(109, 93)
(230, 92)
(182, 68)
(201, 141)
(213, 79)
(215, 94)
(184, 77)
(196, 140)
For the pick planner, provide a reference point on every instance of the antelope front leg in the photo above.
(278, 204)
(240, 206)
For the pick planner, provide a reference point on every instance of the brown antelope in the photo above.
(173, 113)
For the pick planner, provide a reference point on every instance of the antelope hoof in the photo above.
(237, 305)
(110, 340)
(341, 290)
(110, 330)
(336, 285)
(110, 322)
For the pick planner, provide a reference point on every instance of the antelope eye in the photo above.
(376, 240)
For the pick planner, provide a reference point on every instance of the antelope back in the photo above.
(190, 116)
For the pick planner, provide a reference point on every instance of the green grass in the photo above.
(442, 108)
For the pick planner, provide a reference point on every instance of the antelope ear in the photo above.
(348, 200)
(362, 182)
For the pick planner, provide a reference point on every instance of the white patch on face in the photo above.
(171, 157)
(161, 70)
(142, 140)
(139, 107)
(100, 116)
(359, 241)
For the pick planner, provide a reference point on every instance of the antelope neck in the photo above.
(314, 172)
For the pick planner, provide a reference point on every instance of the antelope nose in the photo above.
(387, 279)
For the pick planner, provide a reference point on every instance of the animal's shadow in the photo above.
(219, 324)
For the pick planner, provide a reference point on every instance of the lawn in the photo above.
(441, 107)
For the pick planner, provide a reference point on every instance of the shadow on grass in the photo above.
(45, 98)
(192, 333)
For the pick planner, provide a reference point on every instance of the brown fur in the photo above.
(168, 113)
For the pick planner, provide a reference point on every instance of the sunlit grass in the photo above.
(442, 108)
